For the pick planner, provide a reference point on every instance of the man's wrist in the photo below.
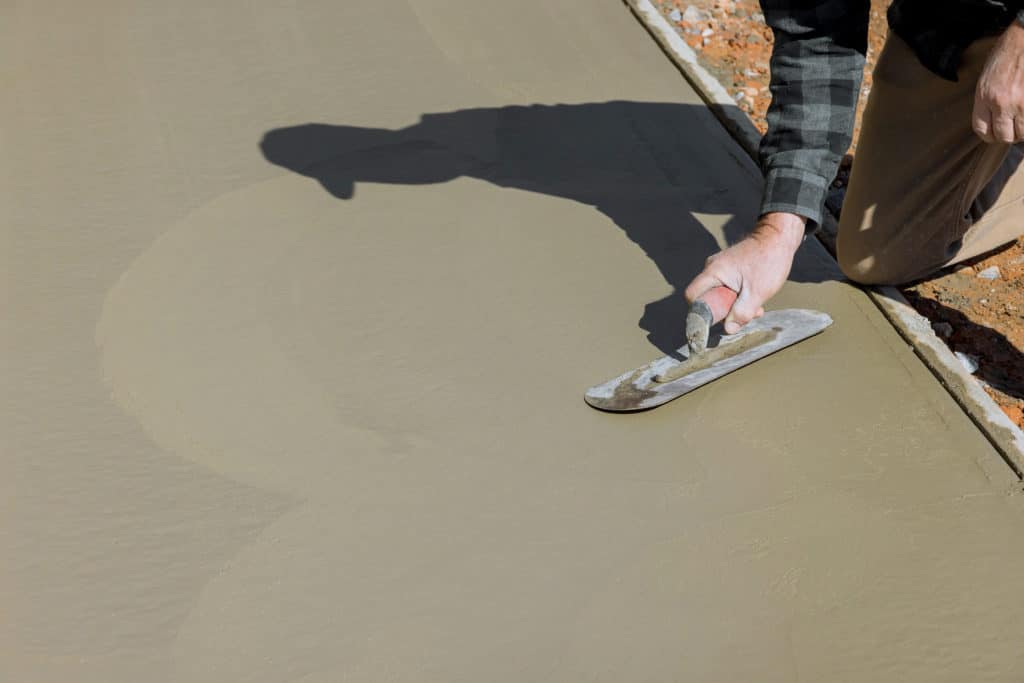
(789, 228)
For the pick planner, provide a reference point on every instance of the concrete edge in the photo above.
(915, 329)
(961, 385)
(706, 85)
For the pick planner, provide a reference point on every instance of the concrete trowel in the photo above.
(705, 358)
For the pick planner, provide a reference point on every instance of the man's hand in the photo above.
(755, 267)
(999, 99)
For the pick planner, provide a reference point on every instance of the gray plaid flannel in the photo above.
(817, 66)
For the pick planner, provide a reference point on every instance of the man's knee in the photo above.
(864, 269)
(880, 264)
(888, 248)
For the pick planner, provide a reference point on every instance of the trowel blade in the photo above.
(667, 378)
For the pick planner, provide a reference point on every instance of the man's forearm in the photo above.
(787, 228)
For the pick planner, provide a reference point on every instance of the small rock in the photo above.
(944, 330)
(675, 15)
(983, 302)
(758, 17)
(707, 32)
(990, 273)
(755, 39)
(969, 362)
(696, 15)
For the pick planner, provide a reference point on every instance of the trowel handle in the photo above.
(719, 300)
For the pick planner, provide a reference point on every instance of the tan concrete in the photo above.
(317, 416)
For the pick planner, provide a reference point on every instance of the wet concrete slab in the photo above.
(302, 300)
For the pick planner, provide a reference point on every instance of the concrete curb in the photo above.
(1004, 436)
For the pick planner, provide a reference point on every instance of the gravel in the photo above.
(695, 15)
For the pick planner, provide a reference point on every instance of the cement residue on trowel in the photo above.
(667, 378)
(628, 393)
(727, 349)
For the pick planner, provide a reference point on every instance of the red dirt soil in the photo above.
(982, 319)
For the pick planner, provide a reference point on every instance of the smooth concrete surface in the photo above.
(301, 300)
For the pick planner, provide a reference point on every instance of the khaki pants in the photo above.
(925, 191)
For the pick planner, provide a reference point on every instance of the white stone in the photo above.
(969, 362)
(990, 273)
(695, 15)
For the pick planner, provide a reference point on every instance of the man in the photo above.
(936, 177)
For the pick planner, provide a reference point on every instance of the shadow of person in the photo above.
(649, 167)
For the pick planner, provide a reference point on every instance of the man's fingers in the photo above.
(1003, 129)
(743, 311)
(702, 283)
(996, 123)
(1018, 129)
(981, 121)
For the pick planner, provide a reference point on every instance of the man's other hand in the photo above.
(999, 98)
(755, 268)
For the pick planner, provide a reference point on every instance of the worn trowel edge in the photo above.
(639, 389)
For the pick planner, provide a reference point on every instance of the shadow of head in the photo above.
(649, 167)
(339, 156)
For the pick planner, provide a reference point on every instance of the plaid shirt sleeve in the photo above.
(817, 65)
